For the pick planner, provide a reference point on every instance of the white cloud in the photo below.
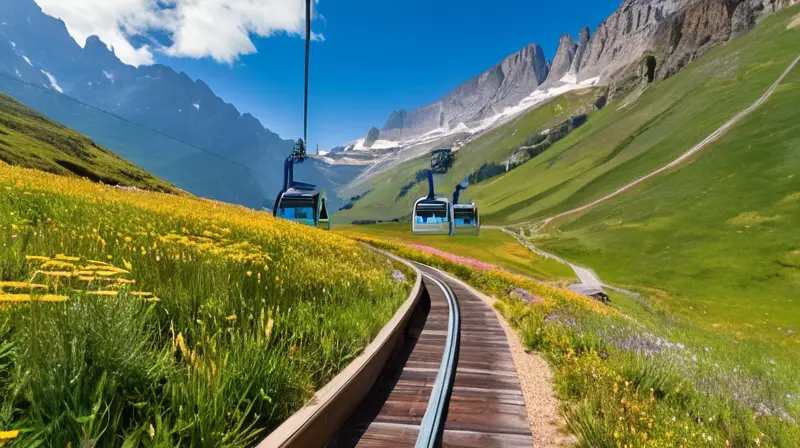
(220, 29)
(112, 21)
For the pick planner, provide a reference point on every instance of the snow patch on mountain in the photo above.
(378, 144)
(53, 82)
(27, 60)
(196, 105)
(454, 137)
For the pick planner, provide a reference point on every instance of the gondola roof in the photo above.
(302, 193)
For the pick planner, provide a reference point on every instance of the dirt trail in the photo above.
(700, 146)
(795, 23)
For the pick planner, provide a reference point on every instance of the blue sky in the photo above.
(377, 55)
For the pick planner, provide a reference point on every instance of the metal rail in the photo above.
(433, 421)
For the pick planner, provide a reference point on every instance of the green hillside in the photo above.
(383, 202)
(718, 236)
(31, 140)
(633, 136)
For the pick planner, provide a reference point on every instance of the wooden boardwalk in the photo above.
(486, 407)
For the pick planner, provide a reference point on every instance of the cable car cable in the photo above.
(308, 52)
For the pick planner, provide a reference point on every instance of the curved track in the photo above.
(453, 382)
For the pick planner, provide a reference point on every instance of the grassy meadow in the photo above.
(491, 246)
(132, 318)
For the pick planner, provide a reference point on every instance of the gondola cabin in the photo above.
(432, 216)
(466, 220)
(307, 207)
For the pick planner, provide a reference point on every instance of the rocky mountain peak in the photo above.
(372, 137)
(503, 85)
(583, 42)
(563, 59)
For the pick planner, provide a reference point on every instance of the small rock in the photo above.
(525, 296)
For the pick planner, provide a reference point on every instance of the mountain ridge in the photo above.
(505, 84)
(37, 48)
(674, 32)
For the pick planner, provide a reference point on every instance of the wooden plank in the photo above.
(487, 408)
(393, 410)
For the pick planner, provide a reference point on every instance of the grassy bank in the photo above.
(31, 140)
(627, 382)
(491, 246)
(136, 318)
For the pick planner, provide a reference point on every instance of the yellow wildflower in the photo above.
(22, 298)
(231, 318)
(54, 273)
(9, 435)
(104, 293)
(63, 257)
(63, 265)
(21, 285)
(36, 258)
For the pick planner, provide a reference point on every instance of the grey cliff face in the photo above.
(583, 42)
(372, 137)
(624, 37)
(563, 60)
(675, 32)
(504, 85)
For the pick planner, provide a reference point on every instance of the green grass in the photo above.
(495, 146)
(31, 140)
(491, 246)
(254, 315)
(718, 238)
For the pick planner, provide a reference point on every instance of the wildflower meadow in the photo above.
(624, 382)
(132, 318)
